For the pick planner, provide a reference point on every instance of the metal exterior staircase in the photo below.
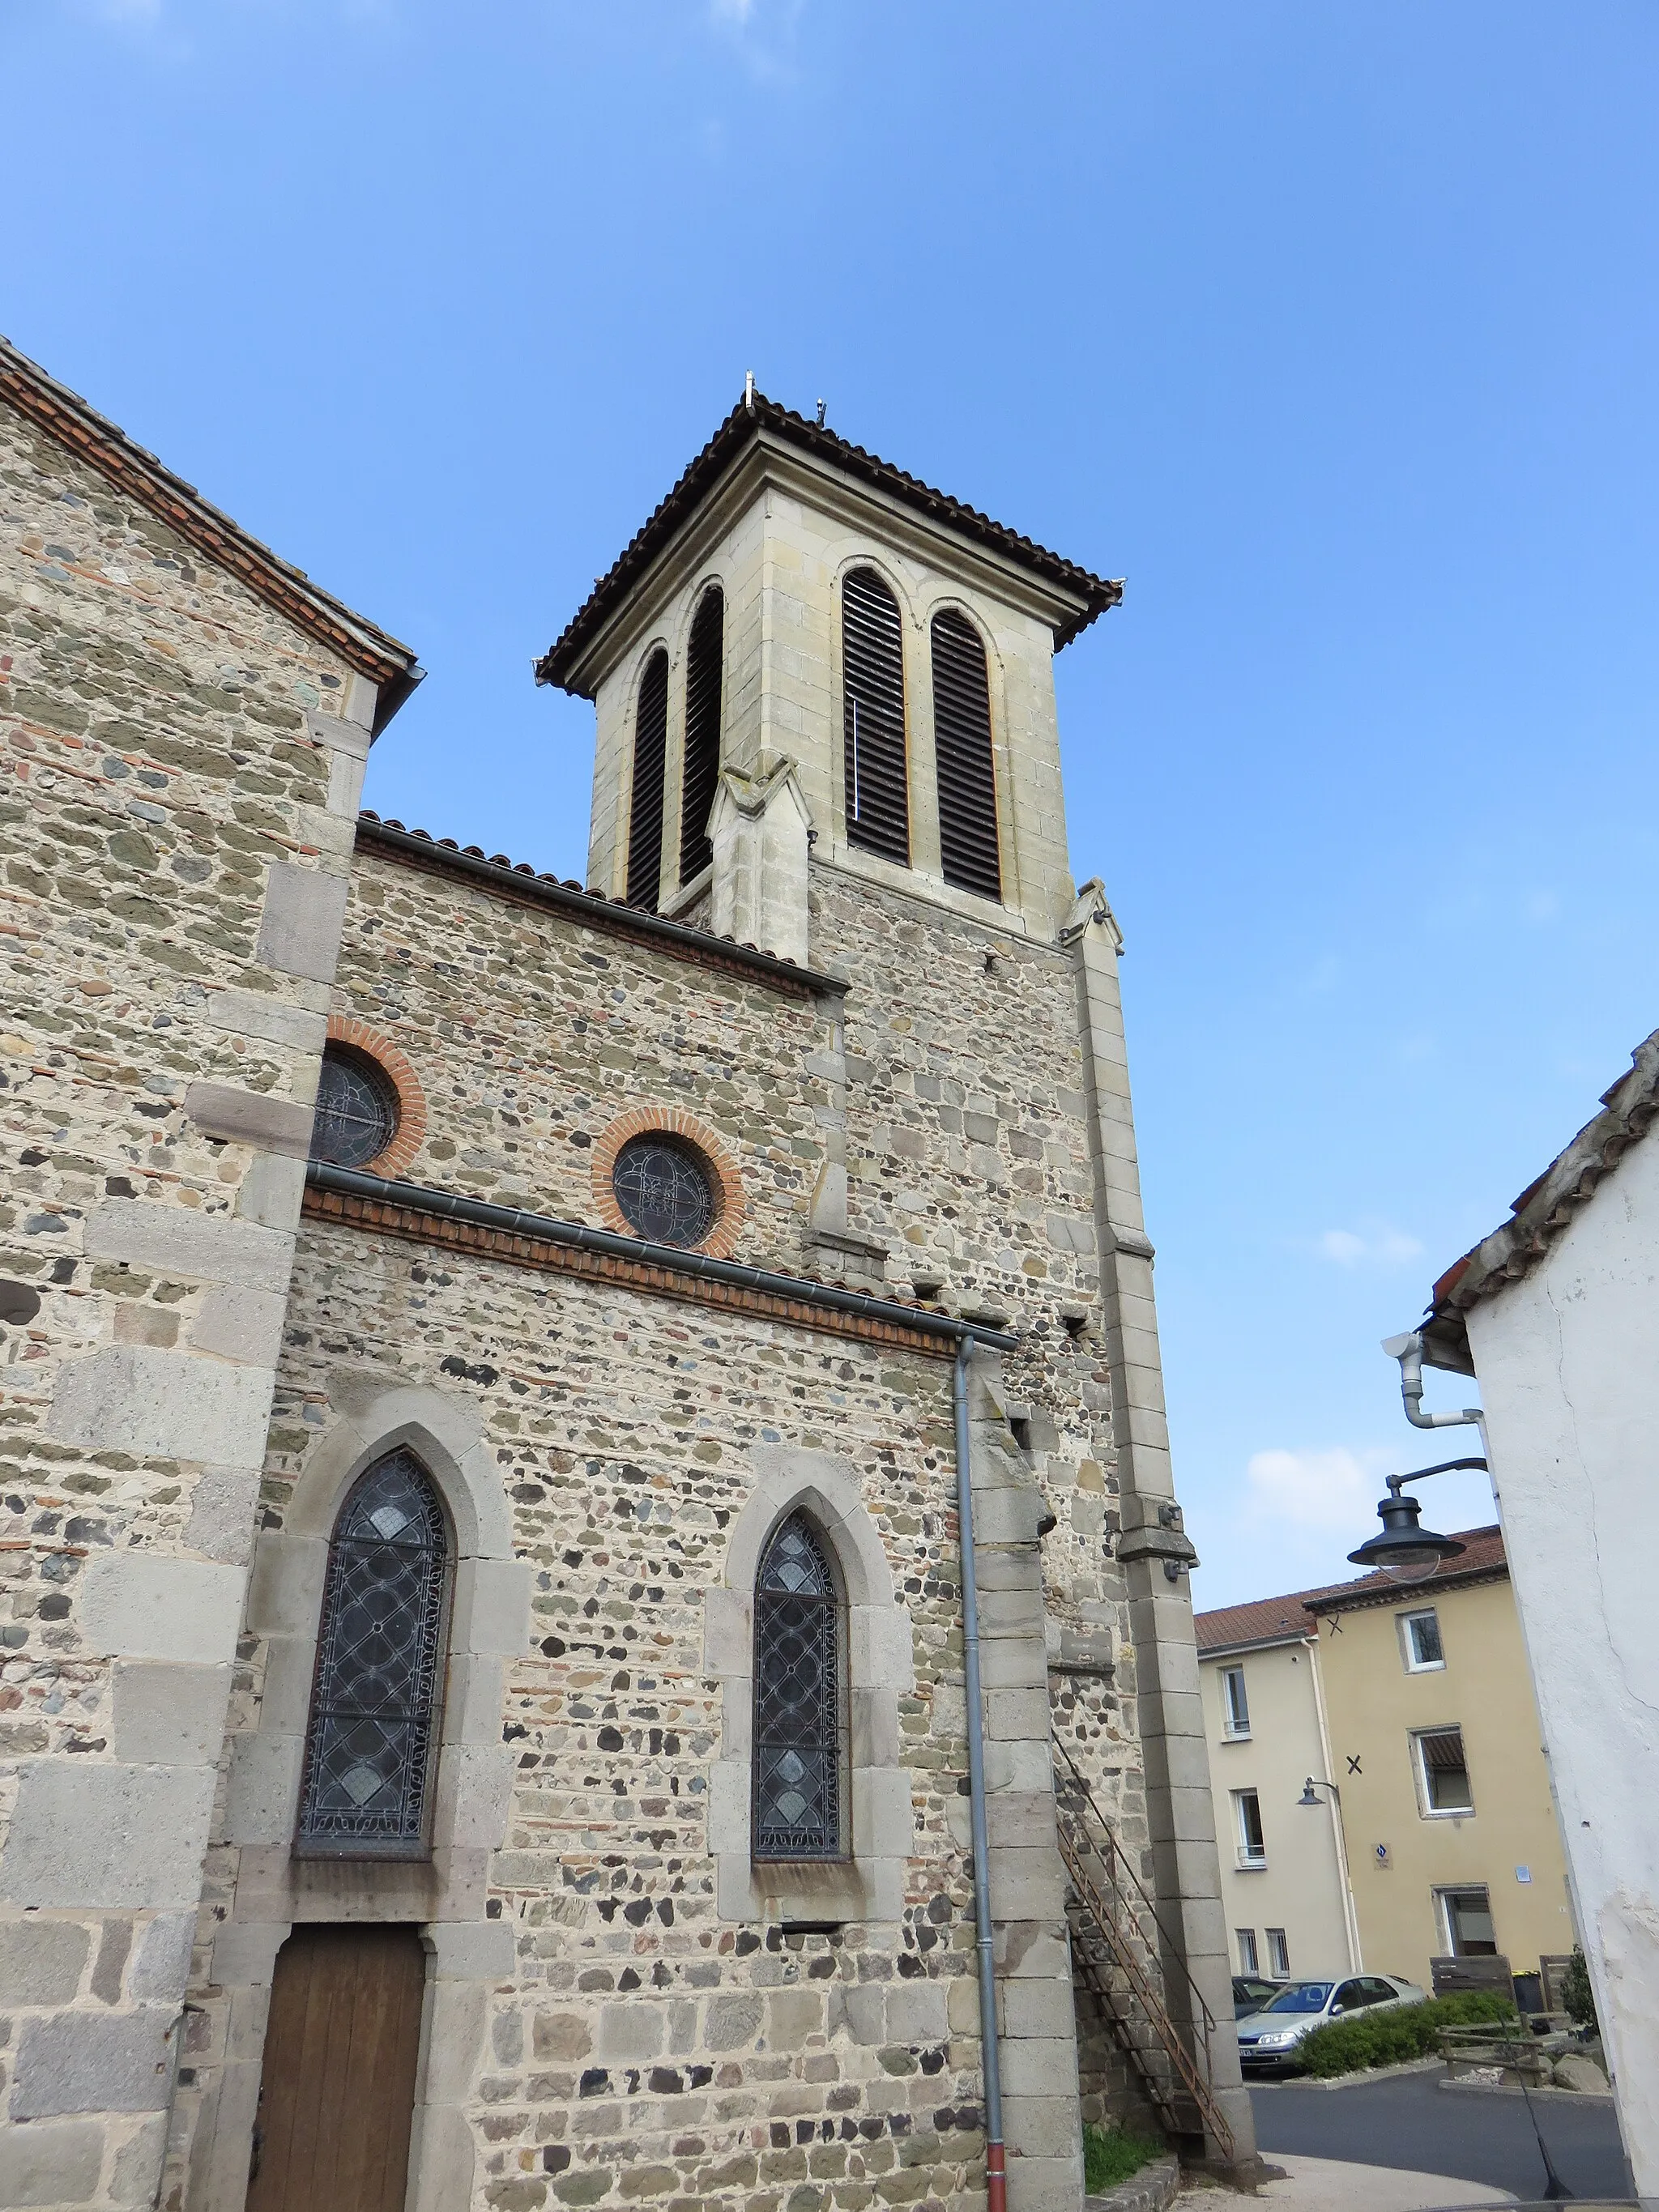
(1125, 1953)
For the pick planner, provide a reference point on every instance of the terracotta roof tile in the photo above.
(1282, 1619)
(66, 418)
(741, 427)
(1543, 1210)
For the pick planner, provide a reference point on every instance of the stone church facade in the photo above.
(491, 1369)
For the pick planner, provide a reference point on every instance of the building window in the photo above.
(1247, 1821)
(872, 717)
(645, 803)
(1465, 1919)
(1245, 1938)
(374, 1707)
(1442, 1773)
(1235, 1705)
(1279, 1955)
(704, 664)
(1419, 1638)
(799, 1699)
(356, 1115)
(663, 1190)
(967, 767)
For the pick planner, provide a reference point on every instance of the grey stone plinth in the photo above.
(106, 1835)
(304, 915)
(49, 2165)
(80, 2061)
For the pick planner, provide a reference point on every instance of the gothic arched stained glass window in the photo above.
(374, 1709)
(798, 1796)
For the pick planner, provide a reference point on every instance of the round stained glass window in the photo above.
(665, 1191)
(356, 1109)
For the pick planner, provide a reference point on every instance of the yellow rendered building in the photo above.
(1453, 1846)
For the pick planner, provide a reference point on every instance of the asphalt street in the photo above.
(1411, 2123)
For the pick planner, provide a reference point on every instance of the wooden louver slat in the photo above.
(702, 732)
(967, 771)
(645, 806)
(873, 673)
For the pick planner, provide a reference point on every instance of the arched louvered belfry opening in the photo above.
(375, 1706)
(645, 805)
(873, 716)
(799, 1797)
(702, 769)
(967, 770)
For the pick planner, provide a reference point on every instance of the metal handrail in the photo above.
(1143, 1900)
(1126, 1899)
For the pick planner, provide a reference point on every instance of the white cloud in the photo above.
(1311, 1489)
(1376, 1243)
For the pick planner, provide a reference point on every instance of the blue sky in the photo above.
(1331, 327)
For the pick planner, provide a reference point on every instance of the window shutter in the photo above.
(702, 732)
(645, 807)
(962, 741)
(872, 683)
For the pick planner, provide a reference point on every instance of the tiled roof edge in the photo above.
(1544, 1209)
(518, 879)
(729, 439)
(102, 445)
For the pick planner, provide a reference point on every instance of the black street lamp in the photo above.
(1311, 1786)
(1403, 1548)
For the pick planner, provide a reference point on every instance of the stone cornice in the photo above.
(349, 1199)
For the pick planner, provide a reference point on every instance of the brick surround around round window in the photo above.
(410, 1134)
(723, 1177)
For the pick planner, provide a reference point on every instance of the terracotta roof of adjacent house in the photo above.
(1543, 1210)
(753, 418)
(1480, 1560)
(1289, 1618)
(66, 418)
(1264, 1620)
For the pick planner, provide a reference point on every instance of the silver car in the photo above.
(1269, 2038)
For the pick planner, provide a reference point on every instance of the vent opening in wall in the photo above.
(967, 771)
(645, 806)
(872, 678)
(702, 732)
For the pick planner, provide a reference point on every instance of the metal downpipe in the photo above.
(996, 2180)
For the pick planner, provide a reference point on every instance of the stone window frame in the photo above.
(870, 1883)
(410, 1132)
(443, 1897)
(724, 1173)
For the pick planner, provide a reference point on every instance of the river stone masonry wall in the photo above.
(180, 772)
(625, 2018)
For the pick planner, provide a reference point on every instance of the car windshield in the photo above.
(1301, 1997)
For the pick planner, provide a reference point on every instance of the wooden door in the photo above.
(336, 2101)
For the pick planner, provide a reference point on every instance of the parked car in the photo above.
(1269, 2038)
(1251, 1993)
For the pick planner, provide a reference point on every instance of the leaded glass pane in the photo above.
(373, 1710)
(797, 1777)
(664, 1191)
(356, 1111)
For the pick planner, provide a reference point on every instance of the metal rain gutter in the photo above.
(353, 1183)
